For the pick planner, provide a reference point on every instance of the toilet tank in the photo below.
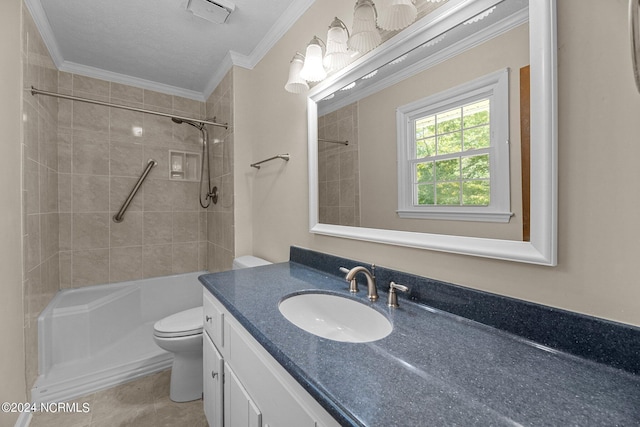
(247, 261)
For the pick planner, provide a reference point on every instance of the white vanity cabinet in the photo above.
(239, 409)
(213, 371)
(256, 390)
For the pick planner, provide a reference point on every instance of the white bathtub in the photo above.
(95, 337)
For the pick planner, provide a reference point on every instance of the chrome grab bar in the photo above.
(119, 217)
(284, 157)
(634, 32)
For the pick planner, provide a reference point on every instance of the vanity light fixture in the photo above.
(337, 55)
(296, 84)
(364, 34)
(313, 68)
(396, 14)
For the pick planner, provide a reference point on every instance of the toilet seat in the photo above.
(182, 324)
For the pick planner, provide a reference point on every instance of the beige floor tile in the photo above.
(141, 403)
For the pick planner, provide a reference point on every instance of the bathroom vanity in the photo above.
(434, 368)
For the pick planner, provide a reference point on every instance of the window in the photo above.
(453, 153)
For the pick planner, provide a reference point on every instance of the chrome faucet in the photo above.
(372, 291)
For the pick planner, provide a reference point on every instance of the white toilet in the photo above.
(181, 334)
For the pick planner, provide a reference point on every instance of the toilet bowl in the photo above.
(181, 334)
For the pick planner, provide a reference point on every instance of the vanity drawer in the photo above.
(213, 319)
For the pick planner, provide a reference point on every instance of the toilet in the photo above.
(181, 334)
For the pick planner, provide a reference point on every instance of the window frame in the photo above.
(494, 86)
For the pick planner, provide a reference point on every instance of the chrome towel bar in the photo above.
(284, 157)
(334, 141)
(120, 215)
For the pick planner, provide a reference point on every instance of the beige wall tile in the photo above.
(90, 158)
(64, 192)
(122, 124)
(186, 226)
(89, 193)
(90, 85)
(158, 195)
(156, 260)
(94, 118)
(125, 264)
(126, 159)
(90, 230)
(128, 232)
(125, 92)
(185, 257)
(90, 267)
(158, 228)
(158, 100)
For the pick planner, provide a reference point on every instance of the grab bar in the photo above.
(119, 217)
(634, 32)
(284, 157)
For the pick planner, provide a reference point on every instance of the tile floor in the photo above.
(143, 402)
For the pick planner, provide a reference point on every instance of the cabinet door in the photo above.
(213, 366)
(239, 409)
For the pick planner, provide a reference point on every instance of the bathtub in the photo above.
(99, 336)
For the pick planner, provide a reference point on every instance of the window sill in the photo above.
(471, 214)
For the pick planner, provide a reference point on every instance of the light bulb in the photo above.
(364, 35)
(313, 69)
(396, 14)
(337, 55)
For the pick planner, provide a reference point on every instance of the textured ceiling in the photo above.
(158, 44)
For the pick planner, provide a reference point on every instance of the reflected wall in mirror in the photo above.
(359, 184)
(353, 133)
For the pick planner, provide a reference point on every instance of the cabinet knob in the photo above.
(207, 318)
(214, 374)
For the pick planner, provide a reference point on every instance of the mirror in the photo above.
(372, 82)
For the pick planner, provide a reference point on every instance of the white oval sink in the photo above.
(335, 317)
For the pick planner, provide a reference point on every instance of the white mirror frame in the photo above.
(542, 247)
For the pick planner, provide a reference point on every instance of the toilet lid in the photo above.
(188, 322)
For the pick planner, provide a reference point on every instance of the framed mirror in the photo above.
(450, 32)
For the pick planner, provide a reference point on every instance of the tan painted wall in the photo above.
(599, 233)
(12, 368)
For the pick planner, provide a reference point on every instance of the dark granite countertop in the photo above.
(434, 369)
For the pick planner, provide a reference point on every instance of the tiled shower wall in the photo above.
(102, 152)
(39, 188)
(220, 222)
(339, 167)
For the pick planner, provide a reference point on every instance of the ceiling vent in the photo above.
(215, 11)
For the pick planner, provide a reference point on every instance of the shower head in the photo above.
(189, 122)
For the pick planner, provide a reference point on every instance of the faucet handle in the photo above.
(393, 296)
(353, 285)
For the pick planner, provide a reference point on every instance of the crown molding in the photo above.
(98, 73)
(42, 23)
